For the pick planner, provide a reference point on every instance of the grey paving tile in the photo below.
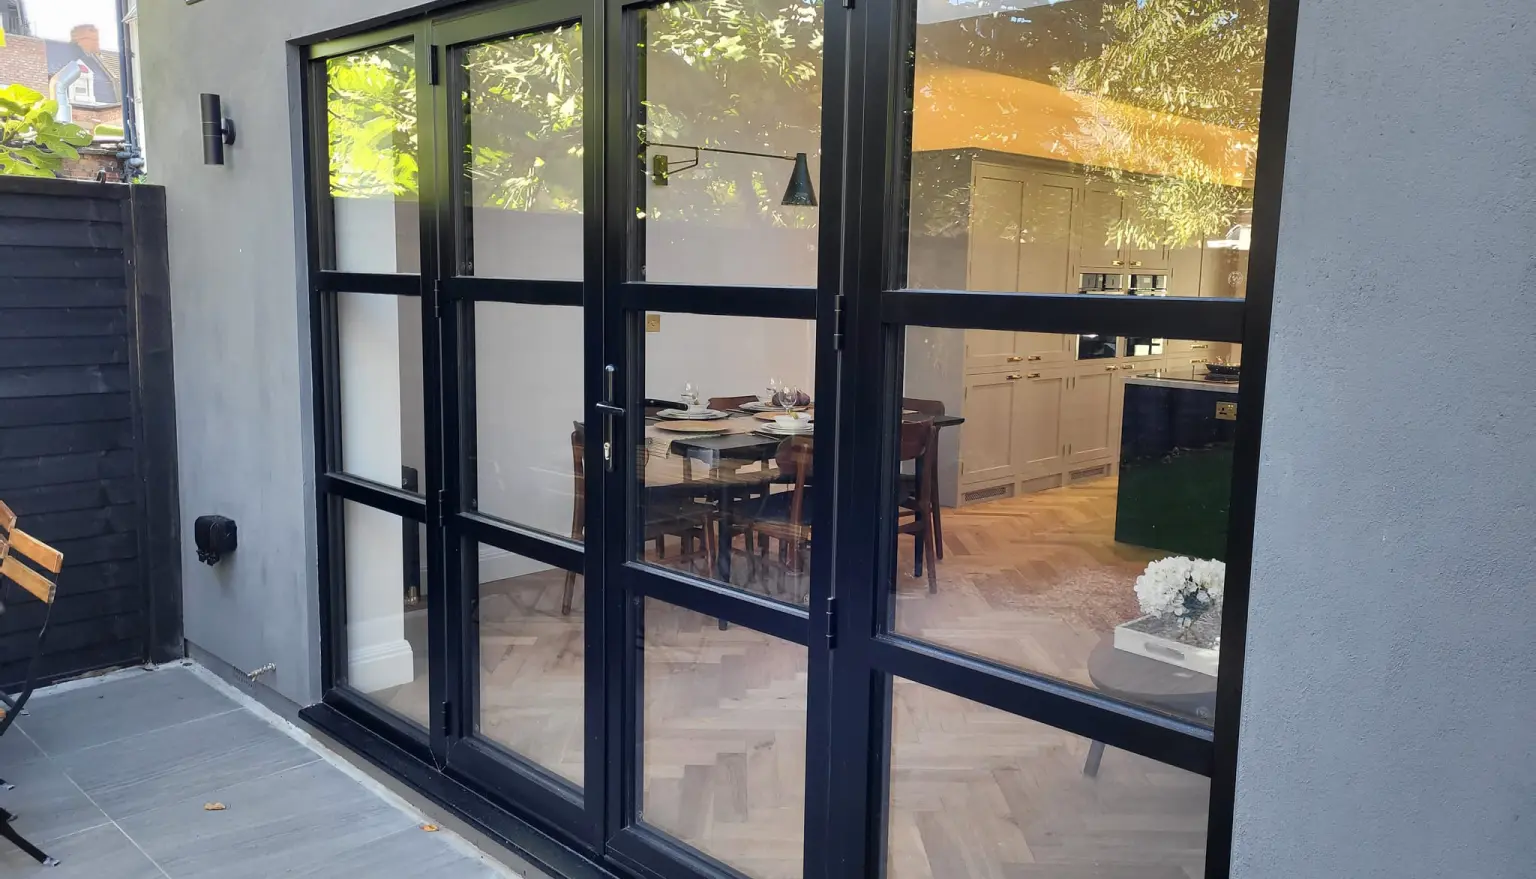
(279, 825)
(115, 710)
(102, 853)
(405, 854)
(16, 748)
(47, 803)
(186, 761)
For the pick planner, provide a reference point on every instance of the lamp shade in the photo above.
(800, 191)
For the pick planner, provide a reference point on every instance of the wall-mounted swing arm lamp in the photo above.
(800, 192)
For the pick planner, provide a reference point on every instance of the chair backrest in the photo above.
(915, 436)
(34, 566)
(721, 404)
(794, 456)
(925, 407)
(30, 563)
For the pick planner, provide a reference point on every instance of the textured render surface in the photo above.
(241, 317)
(1389, 724)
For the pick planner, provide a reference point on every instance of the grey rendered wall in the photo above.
(240, 319)
(1389, 724)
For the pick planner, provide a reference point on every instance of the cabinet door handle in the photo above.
(1110, 368)
(1198, 347)
(1031, 375)
(1014, 358)
(1198, 360)
(1127, 366)
(1034, 357)
(1118, 262)
(1013, 377)
(1136, 262)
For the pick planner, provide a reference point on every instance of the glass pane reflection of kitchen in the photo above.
(1075, 523)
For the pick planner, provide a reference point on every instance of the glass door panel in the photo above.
(521, 185)
(723, 734)
(512, 252)
(374, 193)
(729, 419)
(729, 125)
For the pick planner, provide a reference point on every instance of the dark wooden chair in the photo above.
(34, 567)
(726, 404)
(785, 516)
(929, 408)
(916, 444)
(683, 517)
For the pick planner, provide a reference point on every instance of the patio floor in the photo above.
(111, 779)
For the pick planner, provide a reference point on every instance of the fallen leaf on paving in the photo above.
(214, 807)
(430, 828)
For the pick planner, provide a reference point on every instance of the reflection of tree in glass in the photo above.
(1171, 75)
(371, 121)
(524, 145)
(737, 74)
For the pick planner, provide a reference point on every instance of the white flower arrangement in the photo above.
(1181, 587)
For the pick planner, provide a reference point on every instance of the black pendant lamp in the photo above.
(800, 192)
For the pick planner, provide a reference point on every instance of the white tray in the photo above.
(1139, 636)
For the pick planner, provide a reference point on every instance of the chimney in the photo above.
(87, 37)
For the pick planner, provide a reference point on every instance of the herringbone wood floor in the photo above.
(974, 794)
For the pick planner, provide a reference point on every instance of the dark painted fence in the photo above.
(87, 421)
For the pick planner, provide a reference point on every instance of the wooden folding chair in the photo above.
(34, 566)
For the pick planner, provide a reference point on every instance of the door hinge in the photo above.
(437, 297)
(847, 4)
(837, 322)
(446, 713)
(831, 623)
(436, 70)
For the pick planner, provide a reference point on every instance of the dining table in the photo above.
(717, 464)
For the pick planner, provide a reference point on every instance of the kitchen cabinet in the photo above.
(988, 445)
(993, 349)
(1039, 399)
(1100, 248)
(1087, 414)
(1102, 211)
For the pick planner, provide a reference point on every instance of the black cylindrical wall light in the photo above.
(217, 131)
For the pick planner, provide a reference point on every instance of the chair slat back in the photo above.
(33, 574)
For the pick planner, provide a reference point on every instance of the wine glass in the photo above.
(690, 397)
(770, 394)
(789, 397)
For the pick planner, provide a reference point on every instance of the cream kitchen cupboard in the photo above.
(1087, 414)
(1103, 212)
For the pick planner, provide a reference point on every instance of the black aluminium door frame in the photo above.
(626, 299)
(334, 486)
(878, 309)
(475, 761)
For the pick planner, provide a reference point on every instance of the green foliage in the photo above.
(1200, 60)
(526, 96)
(105, 130)
(32, 142)
(371, 109)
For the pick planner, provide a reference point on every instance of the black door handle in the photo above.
(610, 410)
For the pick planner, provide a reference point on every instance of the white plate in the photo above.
(755, 406)
(686, 415)
(776, 430)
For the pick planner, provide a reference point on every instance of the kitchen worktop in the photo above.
(1188, 379)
